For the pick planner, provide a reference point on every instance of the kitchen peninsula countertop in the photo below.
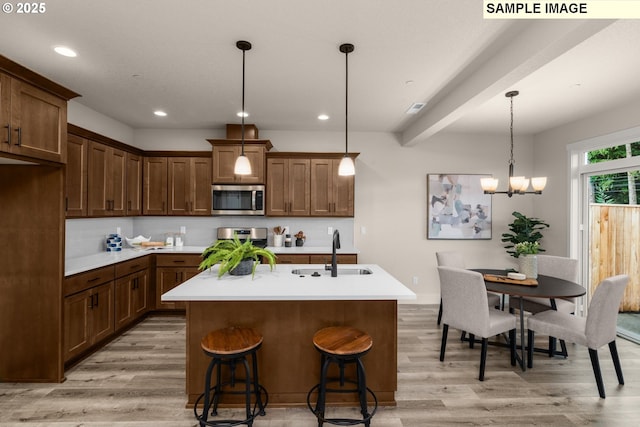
(103, 259)
(282, 285)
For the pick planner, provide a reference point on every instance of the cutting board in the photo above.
(505, 279)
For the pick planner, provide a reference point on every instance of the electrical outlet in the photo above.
(329, 231)
(363, 230)
(118, 231)
(183, 229)
(415, 280)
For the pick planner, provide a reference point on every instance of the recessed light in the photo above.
(242, 114)
(323, 117)
(65, 51)
(160, 113)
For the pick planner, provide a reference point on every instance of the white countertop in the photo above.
(81, 264)
(281, 285)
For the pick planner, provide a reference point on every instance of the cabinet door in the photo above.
(5, 112)
(155, 186)
(277, 197)
(255, 154)
(134, 184)
(331, 194)
(140, 300)
(224, 160)
(340, 259)
(38, 123)
(117, 182)
(167, 279)
(299, 187)
(76, 177)
(97, 179)
(102, 325)
(123, 308)
(77, 332)
(179, 182)
(200, 186)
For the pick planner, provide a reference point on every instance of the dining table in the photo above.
(546, 287)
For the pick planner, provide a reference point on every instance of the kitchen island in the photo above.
(288, 309)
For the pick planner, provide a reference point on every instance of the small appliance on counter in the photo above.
(257, 235)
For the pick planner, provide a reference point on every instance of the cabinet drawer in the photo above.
(131, 266)
(170, 260)
(89, 279)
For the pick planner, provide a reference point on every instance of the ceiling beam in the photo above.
(519, 51)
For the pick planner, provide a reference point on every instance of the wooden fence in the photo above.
(614, 248)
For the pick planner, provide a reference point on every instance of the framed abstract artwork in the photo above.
(457, 207)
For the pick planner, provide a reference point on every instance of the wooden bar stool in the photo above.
(342, 345)
(228, 347)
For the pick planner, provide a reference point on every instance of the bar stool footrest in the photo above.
(343, 421)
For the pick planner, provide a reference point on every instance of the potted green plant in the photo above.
(235, 257)
(524, 229)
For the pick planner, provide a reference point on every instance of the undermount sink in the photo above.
(341, 272)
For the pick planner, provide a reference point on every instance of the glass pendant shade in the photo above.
(243, 166)
(346, 167)
(539, 183)
(489, 185)
(516, 182)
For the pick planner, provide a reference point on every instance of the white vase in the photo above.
(528, 265)
(277, 240)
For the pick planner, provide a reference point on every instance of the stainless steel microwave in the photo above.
(237, 200)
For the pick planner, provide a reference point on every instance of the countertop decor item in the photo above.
(235, 257)
(517, 184)
(135, 242)
(300, 237)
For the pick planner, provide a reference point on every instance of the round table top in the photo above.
(548, 286)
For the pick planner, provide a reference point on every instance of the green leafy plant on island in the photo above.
(230, 253)
(524, 229)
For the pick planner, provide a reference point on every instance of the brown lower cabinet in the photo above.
(88, 319)
(131, 298)
(172, 270)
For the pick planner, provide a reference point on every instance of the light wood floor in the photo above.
(138, 380)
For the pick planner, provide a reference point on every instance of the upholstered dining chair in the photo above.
(594, 331)
(456, 260)
(465, 307)
(553, 266)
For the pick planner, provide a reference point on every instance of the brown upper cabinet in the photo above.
(177, 185)
(308, 184)
(33, 121)
(288, 186)
(134, 184)
(225, 153)
(189, 185)
(76, 176)
(106, 180)
(155, 186)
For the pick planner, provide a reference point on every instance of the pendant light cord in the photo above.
(243, 112)
(511, 162)
(346, 104)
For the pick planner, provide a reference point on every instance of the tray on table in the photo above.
(505, 279)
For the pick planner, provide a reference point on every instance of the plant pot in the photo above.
(245, 267)
(299, 242)
(528, 265)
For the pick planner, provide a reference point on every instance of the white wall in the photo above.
(87, 118)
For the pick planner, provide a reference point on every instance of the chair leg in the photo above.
(483, 358)
(595, 363)
(616, 361)
(440, 313)
(563, 346)
(512, 346)
(530, 340)
(463, 336)
(443, 345)
(552, 346)
(472, 340)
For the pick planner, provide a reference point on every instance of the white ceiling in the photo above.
(180, 56)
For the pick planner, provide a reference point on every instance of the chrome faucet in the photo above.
(334, 261)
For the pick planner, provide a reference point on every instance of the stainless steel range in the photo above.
(258, 236)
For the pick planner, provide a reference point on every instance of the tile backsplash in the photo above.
(87, 236)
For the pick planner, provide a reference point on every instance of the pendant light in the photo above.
(346, 167)
(242, 166)
(517, 184)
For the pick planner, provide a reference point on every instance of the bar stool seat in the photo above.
(342, 345)
(230, 346)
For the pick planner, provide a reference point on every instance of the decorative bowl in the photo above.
(134, 242)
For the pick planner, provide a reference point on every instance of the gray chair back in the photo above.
(557, 266)
(602, 316)
(464, 300)
(450, 259)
